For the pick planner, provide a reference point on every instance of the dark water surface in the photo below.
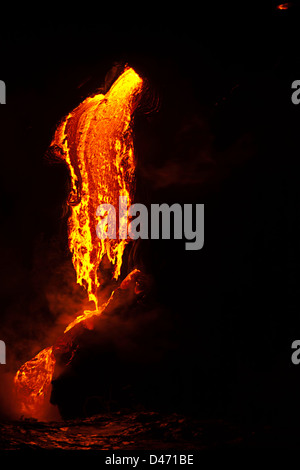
(140, 431)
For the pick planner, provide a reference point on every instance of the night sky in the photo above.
(225, 134)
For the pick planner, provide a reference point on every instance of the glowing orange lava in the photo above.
(32, 382)
(96, 142)
(284, 6)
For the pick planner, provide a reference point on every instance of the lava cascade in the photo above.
(96, 141)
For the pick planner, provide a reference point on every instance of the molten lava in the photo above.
(96, 142)
(284, 6)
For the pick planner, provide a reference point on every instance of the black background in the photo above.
(223, 75)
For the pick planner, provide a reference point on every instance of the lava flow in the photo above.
(96, 142)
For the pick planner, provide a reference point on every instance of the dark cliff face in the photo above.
(126, 360)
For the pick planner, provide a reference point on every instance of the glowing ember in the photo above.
(284, 6)
(96, 142)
